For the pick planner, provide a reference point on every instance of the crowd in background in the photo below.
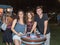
(24, 23)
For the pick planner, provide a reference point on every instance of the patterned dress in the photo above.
(7, 35)
(29, 26)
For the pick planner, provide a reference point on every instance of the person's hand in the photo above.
(24, 33)
(37, 32)
(19, 34)
(28, 32)
(45, 36)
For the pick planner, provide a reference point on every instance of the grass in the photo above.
(55, 35)
(1, 43)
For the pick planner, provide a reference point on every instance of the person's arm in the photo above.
(45, 23)
(13, 25)
(35, 30)
(34, 27)
(25, 29)
(45, 26)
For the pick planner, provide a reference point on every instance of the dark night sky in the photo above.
(48, 4)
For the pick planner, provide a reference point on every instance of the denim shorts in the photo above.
(17, 37)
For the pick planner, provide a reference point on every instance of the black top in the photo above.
(40, 23)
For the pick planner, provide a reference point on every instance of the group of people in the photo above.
(28, 23)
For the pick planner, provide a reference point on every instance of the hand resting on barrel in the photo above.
(20, 34)
(28, 32)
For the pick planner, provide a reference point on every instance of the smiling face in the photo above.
(20, 14)
(39, 11)
(29, 15)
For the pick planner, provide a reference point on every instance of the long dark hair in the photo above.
(18, 15)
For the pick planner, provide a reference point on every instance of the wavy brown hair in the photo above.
(31, 12)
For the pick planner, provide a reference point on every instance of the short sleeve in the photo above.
(35, 18)
(45, 17)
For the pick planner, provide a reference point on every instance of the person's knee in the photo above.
(16, 42)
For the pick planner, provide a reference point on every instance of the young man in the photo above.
(41, 20)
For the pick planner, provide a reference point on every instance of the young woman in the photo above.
(30, 22)
(7, 34)
(18, 28)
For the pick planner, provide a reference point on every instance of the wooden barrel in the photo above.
(33, 40)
